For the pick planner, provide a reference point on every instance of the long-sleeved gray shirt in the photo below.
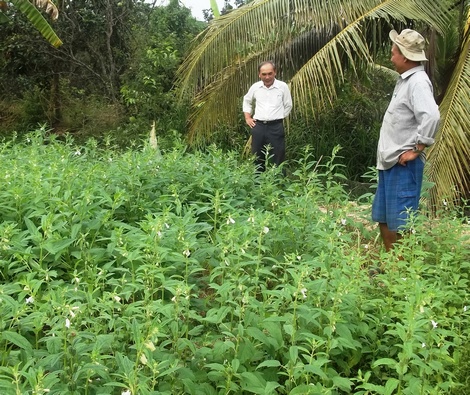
(412, 117)
(270, 103)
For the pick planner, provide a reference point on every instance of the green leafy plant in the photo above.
(189, 273)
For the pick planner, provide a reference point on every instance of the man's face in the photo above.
(398, 60)
(267, 74)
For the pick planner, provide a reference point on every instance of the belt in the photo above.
(269, 122)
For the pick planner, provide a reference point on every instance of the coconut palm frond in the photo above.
(312, 40)
(260, 27)
(314, 86)
(449, 157)
(385, 70)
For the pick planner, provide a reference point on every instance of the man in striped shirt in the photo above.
(409, 126)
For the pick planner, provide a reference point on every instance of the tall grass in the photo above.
(189, 273)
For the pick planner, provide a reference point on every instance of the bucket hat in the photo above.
(411, 44)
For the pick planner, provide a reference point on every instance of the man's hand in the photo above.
(250, 122)
(407, 156)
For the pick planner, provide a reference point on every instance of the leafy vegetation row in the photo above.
(188, 273)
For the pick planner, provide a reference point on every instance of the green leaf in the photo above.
(55, 247)
(38, 21)
(303, 390)
(390, 386)
(253, 383)
(271, 363)
(3, 18)
(385, 361)
(19, 341)
(342, 383)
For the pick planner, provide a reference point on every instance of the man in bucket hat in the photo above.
(408, 127)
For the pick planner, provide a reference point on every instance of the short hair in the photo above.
(265, 63)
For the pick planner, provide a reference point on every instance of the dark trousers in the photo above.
(272, 135)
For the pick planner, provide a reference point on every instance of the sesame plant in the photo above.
(189, 273)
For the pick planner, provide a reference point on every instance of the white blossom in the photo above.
(143, 359)
(29, 300)
(343, 221)
(230, 220)
(265, 230)
(423, 345)
(186, 253)
(67, 323)
(126, 392)
(303, 291)
(434, 324)
(77, 153)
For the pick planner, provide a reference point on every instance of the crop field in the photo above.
(141, 272)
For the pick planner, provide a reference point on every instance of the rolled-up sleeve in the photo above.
(426, 112)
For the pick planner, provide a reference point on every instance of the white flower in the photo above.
(230, 220)
(186, 253)
(465, 308)
(444, 202)
(77, 153)
(67, 323)
(126, 392)
(299, 257)
(167, 226)
(265, 230)
(150, 345)
(423, 345)
(29, 300)
(343, 221)
(366, 246)
(434, 324)
(251, 219)
(303, 291)
(117, 298)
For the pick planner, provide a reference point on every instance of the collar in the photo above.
(409, 72)
(274, 85)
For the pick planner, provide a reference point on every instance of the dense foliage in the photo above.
(113, 72)
(148, 272)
